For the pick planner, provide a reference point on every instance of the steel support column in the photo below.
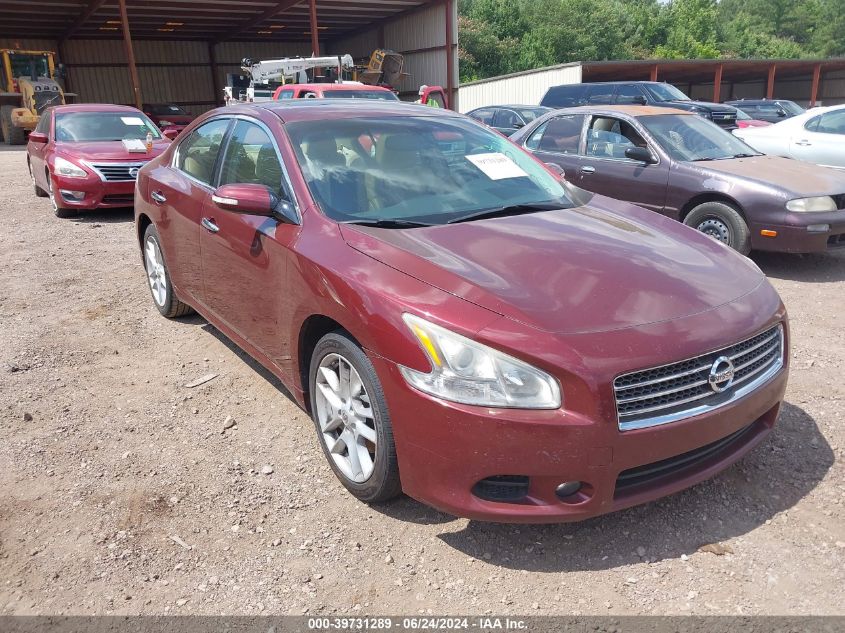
(717, 84)
(315, 32)
(770, 83)
(653, 75)
(817, 75)
(130, 54)
(450, 60)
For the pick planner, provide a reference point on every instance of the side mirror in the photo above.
(518, 125)
(640, 154)
(781, 113)
(171, 133)
(556, 169)
(38, 137)
(640, 100)
(245, 198)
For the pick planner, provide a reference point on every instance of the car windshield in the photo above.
(103, 126)
(529, 114)
(425, 170)
(384, 95)
(692, 138)
(665, 92)
(791, 107)
(160, 110)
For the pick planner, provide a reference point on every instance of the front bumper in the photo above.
(446, 449)
(96, 193)
(802, 233)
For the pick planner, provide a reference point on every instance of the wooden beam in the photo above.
(130, 55)
(254, 22)
(817, 75)
(91, 9)
(315, 31)
(770, 82)
(717, 84)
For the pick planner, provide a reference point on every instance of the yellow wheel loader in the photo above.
(27, 87)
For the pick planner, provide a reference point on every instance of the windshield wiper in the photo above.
(513, 209)
(389, 224)
(746, 155)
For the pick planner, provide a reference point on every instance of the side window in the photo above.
(506, 118)
(43, 126)
(198, 153)
(285, 94)
(560, 135)
(435, 99)
(251, 158)
(832, 122)
(630, 94)
(485, 116)
(600, 94)
(813, 124)
(565, 96)
(609, 138)
(307, 94)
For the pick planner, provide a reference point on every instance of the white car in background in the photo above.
(817, 136)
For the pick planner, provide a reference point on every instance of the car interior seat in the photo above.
(339, 188)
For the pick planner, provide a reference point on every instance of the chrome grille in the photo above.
(117, 172)
(683, 389)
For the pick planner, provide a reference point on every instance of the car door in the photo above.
(180, 190)
(630, 94)
(606, 170)
(556, 141)
(821, 140)
(245, 257)
(38, 151)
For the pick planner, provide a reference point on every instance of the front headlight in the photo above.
(819, 204)
(62, 167)
(465, 371)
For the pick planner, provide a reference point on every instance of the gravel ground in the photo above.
(120, 492)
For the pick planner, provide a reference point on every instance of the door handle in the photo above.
(588, 169)
(209, 225)
(803, 143)
(158, 197)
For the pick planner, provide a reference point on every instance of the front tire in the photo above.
(38, 190)
(353, 424)
(158, 276)
(11, 134)
(722, 222)
(58, 210)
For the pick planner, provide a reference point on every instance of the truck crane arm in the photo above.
(269, 70)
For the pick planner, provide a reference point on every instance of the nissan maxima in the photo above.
(461, 324)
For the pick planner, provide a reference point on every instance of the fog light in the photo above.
(818, 228)
(72, 196)
(567, 489)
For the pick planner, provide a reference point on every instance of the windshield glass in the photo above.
(529, 114)
(162, 109)
(23, 64)
(690, 137)
(78, 127)
(416, 169)
(791, 107)
(665, 92)
(384, 95)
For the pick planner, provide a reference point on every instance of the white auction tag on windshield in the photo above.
(132, 120)
(496, 166)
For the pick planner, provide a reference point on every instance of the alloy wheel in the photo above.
(716, 228)
(346, 418)
(155, 271)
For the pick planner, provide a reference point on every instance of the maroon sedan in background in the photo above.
(460, 324)
(688, 168)
(82, 157)
(167, 115)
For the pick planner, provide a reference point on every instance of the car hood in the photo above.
(176, 119)
(603, 266)
(109, 150)
(794, 177)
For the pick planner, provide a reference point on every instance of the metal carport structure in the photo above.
(129, 51)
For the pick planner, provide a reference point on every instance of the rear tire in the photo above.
(38, 190)
(11, 135)
(158, 278)
(722, 222)
(352, 413)
(58, 211)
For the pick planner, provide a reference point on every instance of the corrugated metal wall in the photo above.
(421, 37)
(524, 88)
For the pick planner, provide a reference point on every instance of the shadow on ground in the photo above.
(771, 479)
(812, 268)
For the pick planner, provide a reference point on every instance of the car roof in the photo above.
(292, 110)
(526, 106)
(756, 101)
(94, 107)
(635, 111)
(324, 87)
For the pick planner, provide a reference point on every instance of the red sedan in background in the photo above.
(86, 157)
(462, 325)
(167, 115)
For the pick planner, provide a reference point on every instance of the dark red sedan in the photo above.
(168, 116)
(86, 157)
(462, 325)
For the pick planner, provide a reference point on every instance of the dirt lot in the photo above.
(119, 493)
